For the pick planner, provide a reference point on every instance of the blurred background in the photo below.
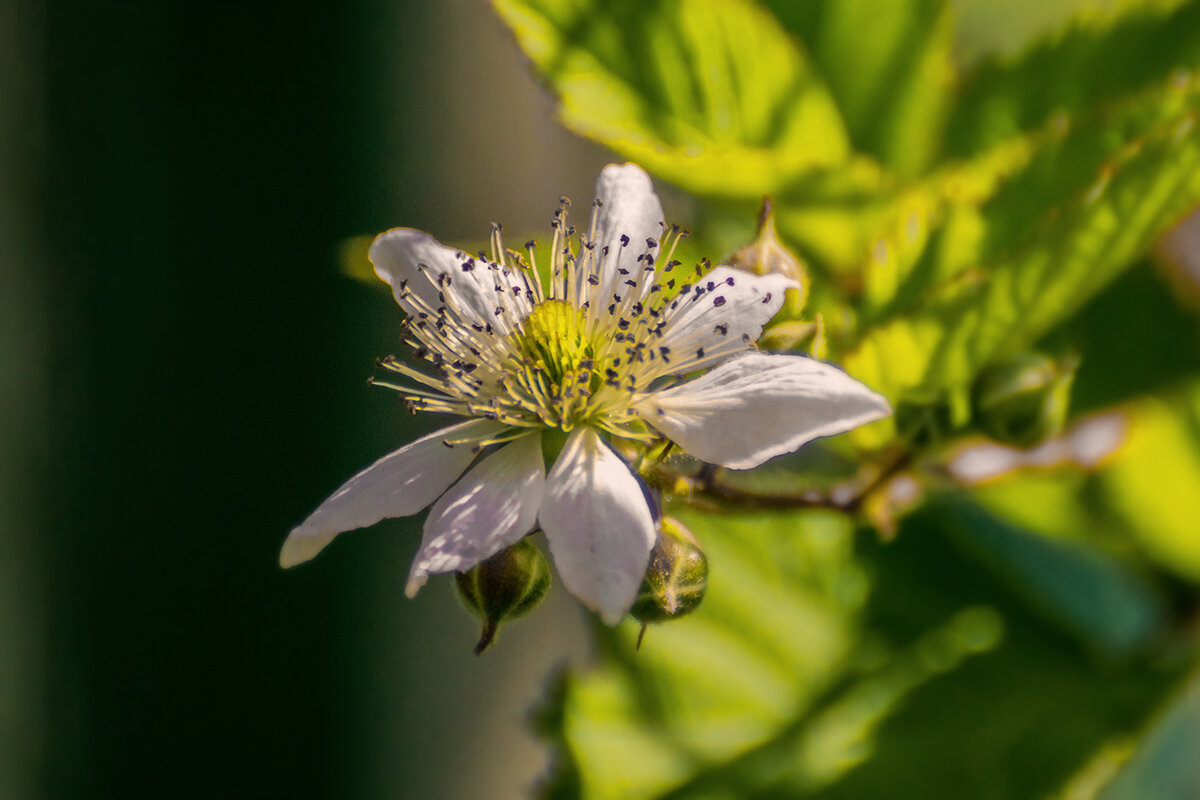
(182, 378)
(184, 371)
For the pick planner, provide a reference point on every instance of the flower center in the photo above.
(554, 340)
(556, 361)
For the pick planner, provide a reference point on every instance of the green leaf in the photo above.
(1034, 701)
(723, 680)
(824, 666)
(1029, 279)
(1090, 594)
(1164, 765)
(1093, 62)
(1151, 483)
(1124, 361)
(888, 67)
(709, 94)
(830, 214)
(1139, 500)
(974, 214)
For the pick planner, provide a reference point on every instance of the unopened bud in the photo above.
(924, 424)
(797, 335)
(767, 255)
(1023, 400)
(791, 334)
(504, 587)
(676, 577)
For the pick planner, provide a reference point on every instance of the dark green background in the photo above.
(192, 382)
(201, 164)
(199, 175)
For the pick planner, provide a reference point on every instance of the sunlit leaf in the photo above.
(825, 666)
(1075, 250)
(1153, 481)
(888, 67)
(709, 94)
(833, 214)
(971, 215)
(1095, 61)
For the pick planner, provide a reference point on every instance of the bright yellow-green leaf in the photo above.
(821, 665)
(833, 214)
(974, 214)
(888, 67)
(709, 94)
(1154, 482)
(724, 679)
(1075, 250)
(1097, 59)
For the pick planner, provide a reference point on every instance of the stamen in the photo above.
(497, 244)
(504, 438)
(530, 246)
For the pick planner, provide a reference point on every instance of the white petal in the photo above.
(726, 308)
(598, 524)
(758, 406)
(397, 485)
(490, 508)
(630, 208)
(413, 261)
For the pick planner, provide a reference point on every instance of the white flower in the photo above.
(597, 351)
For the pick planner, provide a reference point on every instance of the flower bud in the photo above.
(503, 587)
(767, 254)
(1023, 400)
(925, 424)
(791, 334)
(676, 577)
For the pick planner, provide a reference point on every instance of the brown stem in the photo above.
(708, 483)
(732, 494)
(897, 465)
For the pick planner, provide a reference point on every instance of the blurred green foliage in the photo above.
(1023, 636)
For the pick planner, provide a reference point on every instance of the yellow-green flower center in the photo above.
(556, 362)
(554, 340)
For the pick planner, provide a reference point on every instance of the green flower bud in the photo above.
(791, 334)
(504, 587)
(676, 577)
(1023, 400)
(767, 254)
(924, 424)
